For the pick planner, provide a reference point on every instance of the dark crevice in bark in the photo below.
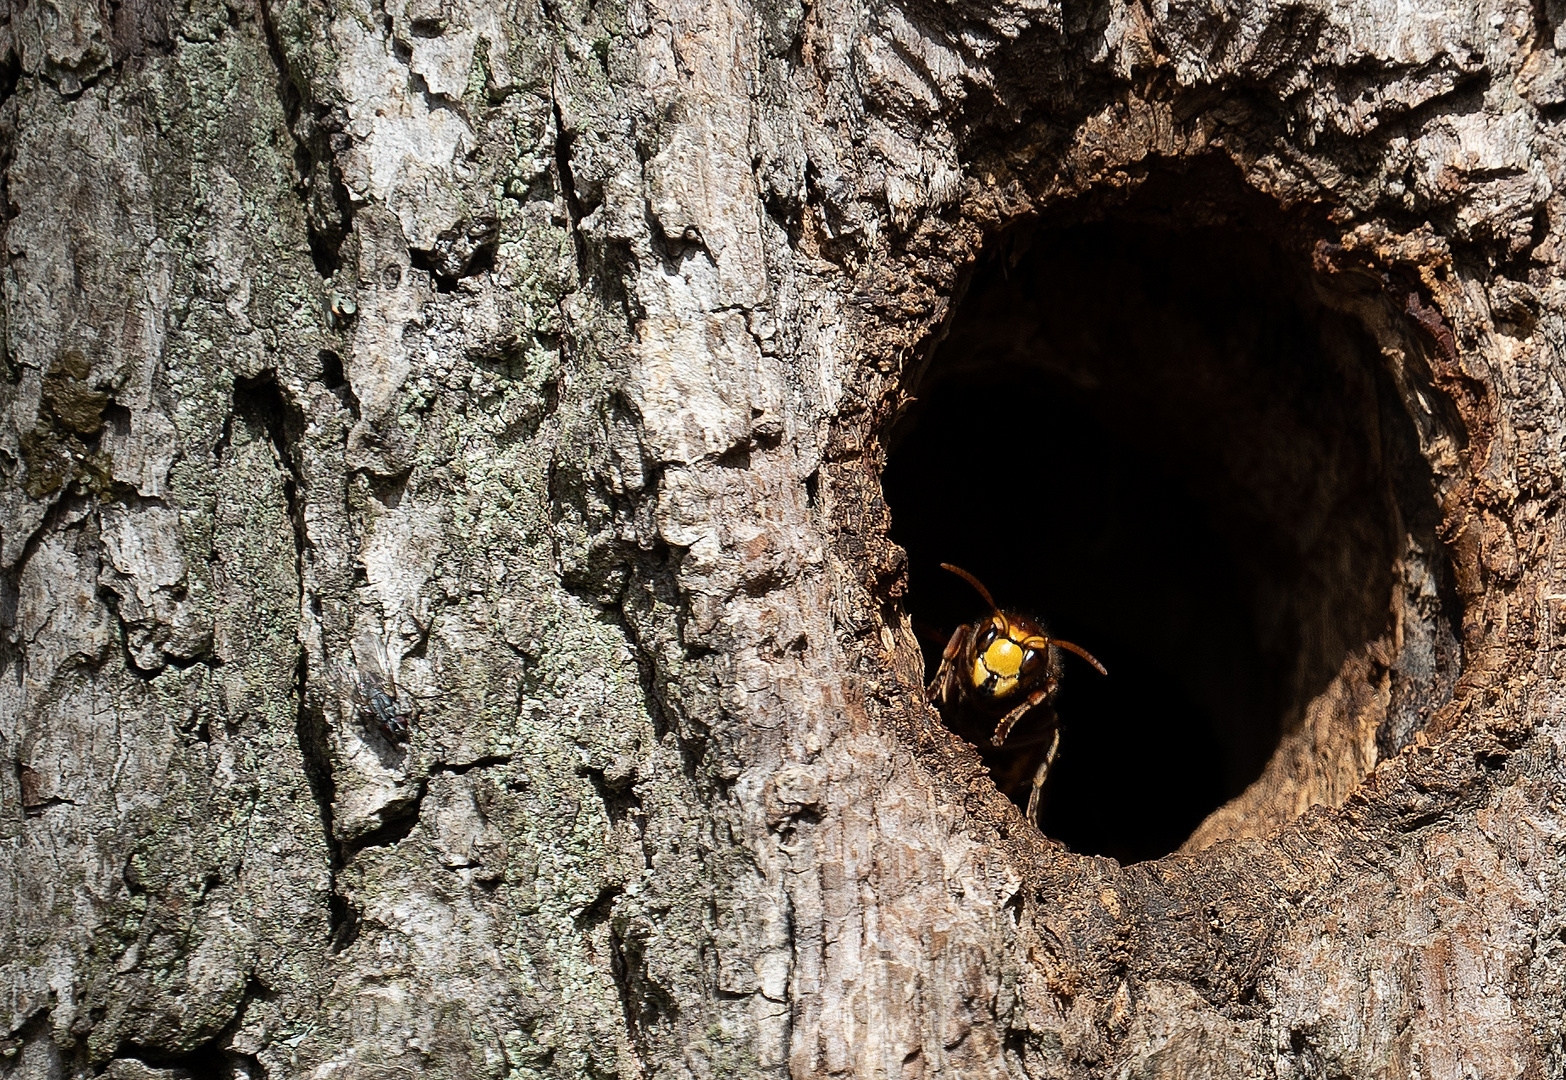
(212, 1059)
(10, 597)
(618, 794)
(33, 1028)
(388, 490)
(600, 909)
(398, 820)
(466, 249)
(630, 1002)
(336, 381)
(315, 749)
(566, 180)
(344, 918)
(813, 489)
(10, 79)
(263, 403)
(319, 131)
(208, 1062)
(465, 767)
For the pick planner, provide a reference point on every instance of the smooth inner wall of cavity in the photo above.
(1164, 445)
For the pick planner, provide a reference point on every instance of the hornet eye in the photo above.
(987, 638)
(1030, 661)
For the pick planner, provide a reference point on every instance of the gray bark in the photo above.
(544, 355)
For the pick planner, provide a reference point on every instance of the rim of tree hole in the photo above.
(1203, 441)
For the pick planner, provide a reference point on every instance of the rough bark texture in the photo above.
(545, 355)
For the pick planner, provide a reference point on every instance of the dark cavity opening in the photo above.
(1163, 444)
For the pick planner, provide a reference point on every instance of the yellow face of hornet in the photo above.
(1008, 655)
(1000, 666)
(1000, 669)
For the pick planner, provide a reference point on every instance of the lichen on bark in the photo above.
(546, 357)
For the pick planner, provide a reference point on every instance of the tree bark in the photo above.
(536, 365)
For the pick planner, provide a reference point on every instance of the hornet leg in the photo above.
(940, 688)
(1009, 721)
(1039, 778)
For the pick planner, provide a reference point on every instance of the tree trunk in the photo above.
(524, 376)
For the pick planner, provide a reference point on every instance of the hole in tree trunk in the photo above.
(1162, 443)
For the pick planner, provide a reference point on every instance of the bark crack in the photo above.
(318, 131)
(264, 402)
(564, 139)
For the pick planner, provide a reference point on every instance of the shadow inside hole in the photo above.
(1161, 443)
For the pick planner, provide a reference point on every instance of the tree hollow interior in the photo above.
(1162, 443)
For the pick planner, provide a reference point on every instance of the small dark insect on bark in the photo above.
(376, 699)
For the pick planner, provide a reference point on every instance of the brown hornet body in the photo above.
(996, 671)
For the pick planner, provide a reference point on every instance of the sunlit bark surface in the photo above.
(532, 363)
